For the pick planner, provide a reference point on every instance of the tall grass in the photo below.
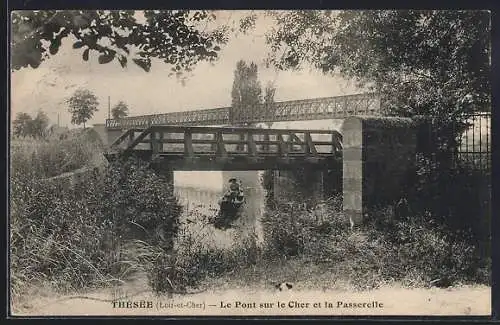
(50, 157)
(72, 237)
(195, 256)
(49, 228)
(415, 250)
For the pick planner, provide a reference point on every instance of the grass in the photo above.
(71, 236)
(324, 253)
(46, 158)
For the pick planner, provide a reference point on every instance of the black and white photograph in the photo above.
(250, 163)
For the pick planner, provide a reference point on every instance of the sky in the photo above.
(209, 85)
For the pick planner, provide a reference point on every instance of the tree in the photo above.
(171, 36)
(120, 110)
(433, 63)
(82, 106)
(26, 126)
(269, 107)
(246, 94)
(22, 125)
(39, 125)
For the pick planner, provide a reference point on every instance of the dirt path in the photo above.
(245, 301)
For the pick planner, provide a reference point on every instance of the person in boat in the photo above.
(230, 204)
(235, 193)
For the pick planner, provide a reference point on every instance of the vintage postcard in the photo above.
(250, 163)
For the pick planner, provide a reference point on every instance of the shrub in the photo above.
(292, 229)
(296, 184)
(420, 246)
(417, 250)
(140, 203)
(71, 236)
(459, 195)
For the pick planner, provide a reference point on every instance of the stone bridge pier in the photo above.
(378, 161)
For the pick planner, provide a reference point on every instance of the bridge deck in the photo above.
(294, 110)
(210, 148)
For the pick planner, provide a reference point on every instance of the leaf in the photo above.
(106, 58)
(123, 61)
(34, 63)
(86, 55)
(55, 44)
(78, 45)
(53, 48)
(145, 64)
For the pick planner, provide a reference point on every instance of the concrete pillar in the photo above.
(352, 141)
(280, 184)
(378, 157)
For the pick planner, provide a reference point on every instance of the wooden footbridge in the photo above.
(229, 148)
(180, 140)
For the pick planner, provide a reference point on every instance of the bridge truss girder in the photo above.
(296, 110)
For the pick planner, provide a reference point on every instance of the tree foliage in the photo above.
(120, 110)
(22, 125)
(269, 93)
(170, 36)
(246, 93)
(140, 202)
(26, 126)
(433, 63)
(82, 106)
(269, 106)
(40, 124)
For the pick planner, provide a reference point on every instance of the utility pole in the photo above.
(109, 107)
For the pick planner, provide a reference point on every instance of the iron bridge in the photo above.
(295, 110)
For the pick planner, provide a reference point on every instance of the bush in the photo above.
(416, 250)
(71, 236)
(292, 229)
(436, 254)
(296, 184)
(140, 203)
(459, 195)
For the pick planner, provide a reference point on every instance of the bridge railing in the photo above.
(307, 109)
(191, 141)
(200, 117)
